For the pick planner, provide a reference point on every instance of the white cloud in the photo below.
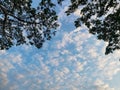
(79, 66)
(100, 85)
(76, 61)
(2, 52)
(5, 66)
(3, 79)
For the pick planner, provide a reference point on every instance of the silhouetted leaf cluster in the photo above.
(102, 17)
(20, 23)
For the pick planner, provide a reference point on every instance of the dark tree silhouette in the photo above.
(102, 17)
(20, 23)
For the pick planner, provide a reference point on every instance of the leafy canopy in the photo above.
(102, 17)
(20, 23)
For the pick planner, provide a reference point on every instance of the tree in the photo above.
(20, 23)
(102, 17)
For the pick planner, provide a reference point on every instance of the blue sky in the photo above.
(72, 60)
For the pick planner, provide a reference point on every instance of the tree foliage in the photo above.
(102, 17)
(20, 23)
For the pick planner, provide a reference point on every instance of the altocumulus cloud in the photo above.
(76, 62)
(73, 60)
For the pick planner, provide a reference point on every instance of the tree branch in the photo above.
(7, 12)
